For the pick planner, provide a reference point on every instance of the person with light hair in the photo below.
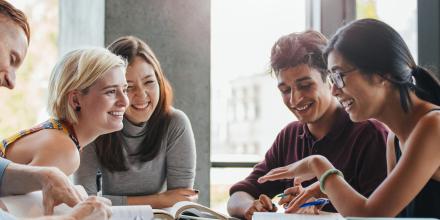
(87, 98)
(20, 179)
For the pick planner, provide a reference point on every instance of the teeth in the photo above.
(142, 106)
(347, 103)
(117, 113)
(302, 108)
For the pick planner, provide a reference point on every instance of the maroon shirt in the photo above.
(356, 149)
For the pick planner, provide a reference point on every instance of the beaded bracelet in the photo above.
(327, 174)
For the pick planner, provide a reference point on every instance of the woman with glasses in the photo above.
(375, 76)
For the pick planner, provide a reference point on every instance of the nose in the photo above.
(294, 97)
(122, 100)
(8, 79)
(141, 92)
(335, 90)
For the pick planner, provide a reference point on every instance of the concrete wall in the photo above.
(179, 34)
(81, 24)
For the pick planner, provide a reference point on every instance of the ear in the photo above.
(73, 98)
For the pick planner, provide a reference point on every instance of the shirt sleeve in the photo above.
(270, 188)
(3, 164)
(181, 152)
(370, 175)
(86, 173)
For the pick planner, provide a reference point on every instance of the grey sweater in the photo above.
(174, 166)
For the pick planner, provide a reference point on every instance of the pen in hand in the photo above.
(317, 202)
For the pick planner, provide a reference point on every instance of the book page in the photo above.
(288, 216)
(192, 208)
(30, 206)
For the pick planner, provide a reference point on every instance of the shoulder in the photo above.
(57, 142)
(428, 127)
(178, 118)
(372, 127)
(292, 127)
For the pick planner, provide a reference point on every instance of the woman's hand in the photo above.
(299, 169)
(170, 197)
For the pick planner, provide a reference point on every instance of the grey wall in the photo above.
(179, 34)
(429, 34)
(81, 24)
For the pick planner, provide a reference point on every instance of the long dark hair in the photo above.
(109, 146)
(376, 48)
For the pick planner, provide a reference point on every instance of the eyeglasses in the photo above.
(336, 78)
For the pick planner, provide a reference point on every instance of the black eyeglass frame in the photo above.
(336, 78)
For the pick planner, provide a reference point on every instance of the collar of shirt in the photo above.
(342, 120)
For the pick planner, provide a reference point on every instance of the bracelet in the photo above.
(327, 174)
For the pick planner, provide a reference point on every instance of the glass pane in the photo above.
(26, 104)
(405, 22)
(247, 111)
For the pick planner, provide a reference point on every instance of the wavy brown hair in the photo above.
(109, 146)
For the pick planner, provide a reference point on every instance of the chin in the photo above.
(357, 118)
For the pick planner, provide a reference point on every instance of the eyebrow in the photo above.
(145, 77)
(303, 79)
(112, 86)
(296, 81)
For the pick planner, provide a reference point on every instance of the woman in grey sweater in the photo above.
(152, 159)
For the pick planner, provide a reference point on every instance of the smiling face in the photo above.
(104, 104)
(304, 92)
(362, 97)
(143, 90)
(13, 47)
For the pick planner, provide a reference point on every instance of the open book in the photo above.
(281, 216)
(30, 205)
(188, 210)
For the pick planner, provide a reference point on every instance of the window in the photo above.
(247, 111)
(404, 22)
(26, 104)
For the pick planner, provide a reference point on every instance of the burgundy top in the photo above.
(357, 149)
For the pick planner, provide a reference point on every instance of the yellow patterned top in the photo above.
(49, 124)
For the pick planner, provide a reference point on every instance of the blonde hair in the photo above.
(78, 70)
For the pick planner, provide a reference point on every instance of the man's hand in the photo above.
(263, 204)
(297, 195)
(57, 189)
(93, 208)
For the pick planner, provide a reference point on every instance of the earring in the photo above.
(78, 108)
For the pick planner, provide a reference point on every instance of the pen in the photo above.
(316, 202)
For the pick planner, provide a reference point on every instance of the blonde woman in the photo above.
(87, 98)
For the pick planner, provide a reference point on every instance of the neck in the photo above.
(84, 134)
(322, 126)
(399, 122)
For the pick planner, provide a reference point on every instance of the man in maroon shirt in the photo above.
(323, 127)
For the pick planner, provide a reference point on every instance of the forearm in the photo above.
(238, 203)
(21, 179)
(157, 201)
(343, 197)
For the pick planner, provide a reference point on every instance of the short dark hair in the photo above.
(299, 48)
(374, 47)
(17, 16)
